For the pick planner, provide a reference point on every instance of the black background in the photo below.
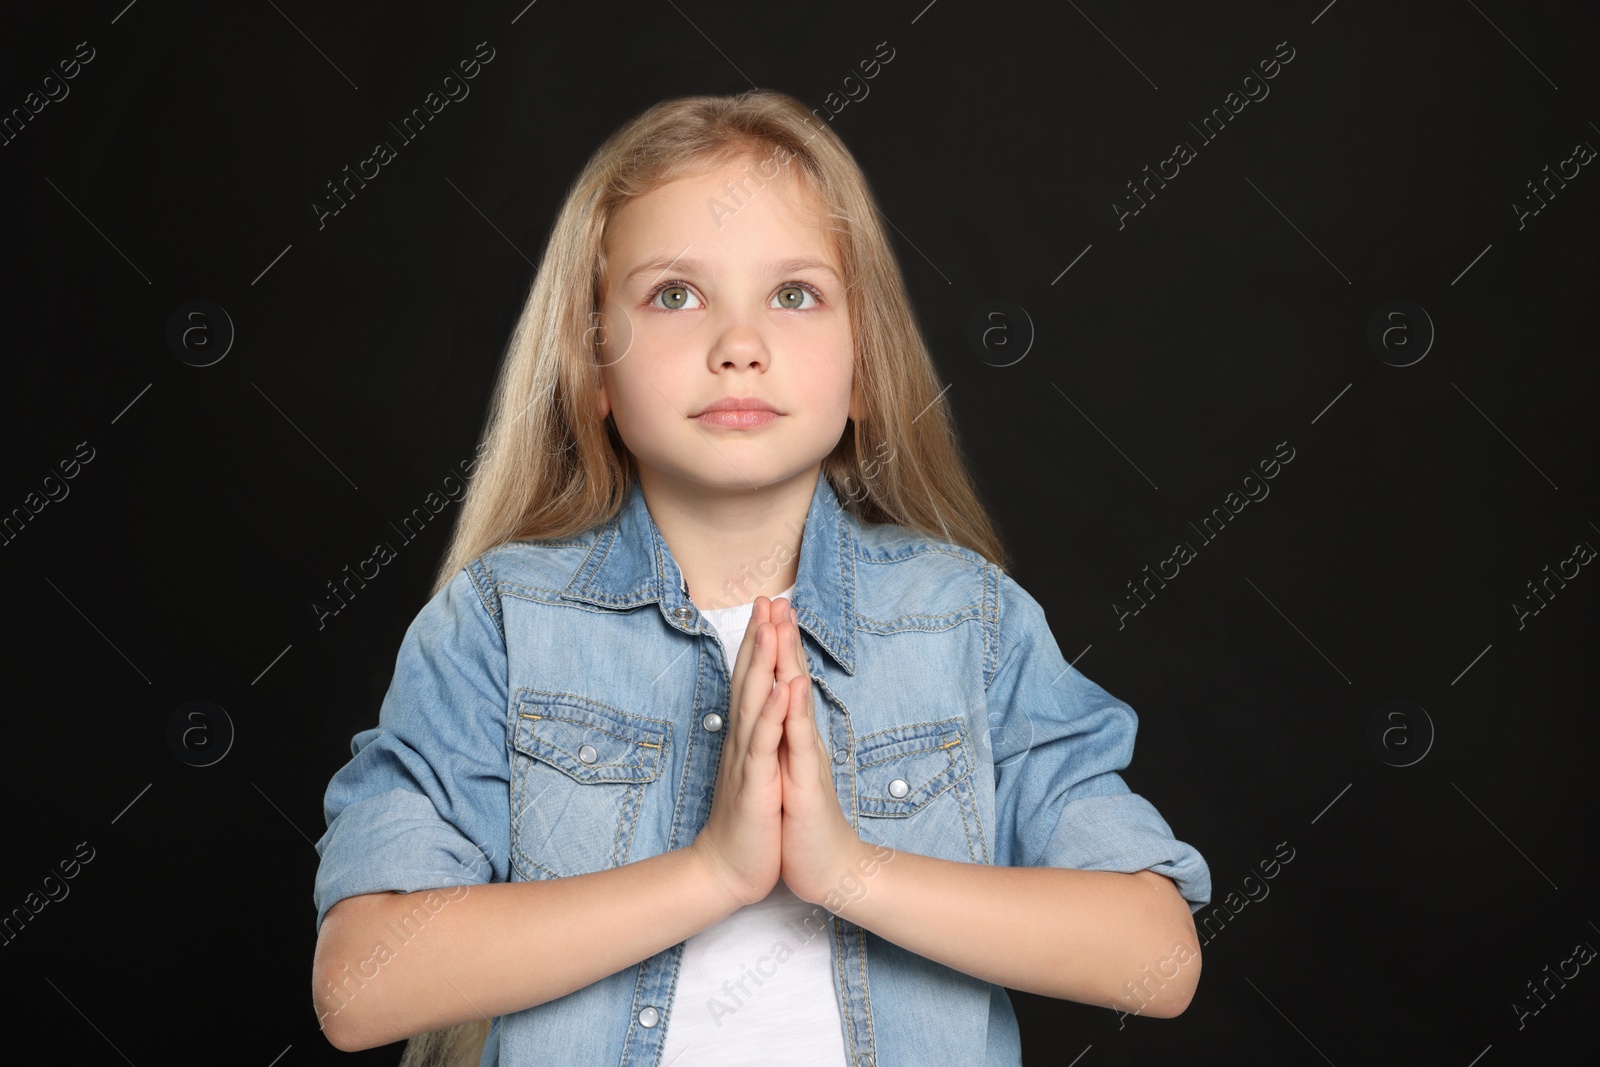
(1179, 349)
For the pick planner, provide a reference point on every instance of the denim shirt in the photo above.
(559, 708)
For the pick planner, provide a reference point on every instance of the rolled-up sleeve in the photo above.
(423, 802)
(1058, 741)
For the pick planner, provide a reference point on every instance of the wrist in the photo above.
(709, 875)
(852, 876)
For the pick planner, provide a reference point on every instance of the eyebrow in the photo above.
(662, 264)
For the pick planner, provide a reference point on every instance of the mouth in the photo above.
(737, 413)
(736, 403)
(730, 418)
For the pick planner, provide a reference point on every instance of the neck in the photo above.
(732, 545)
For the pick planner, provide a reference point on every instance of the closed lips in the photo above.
(738, 404)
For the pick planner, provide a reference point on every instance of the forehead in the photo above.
(737, 209)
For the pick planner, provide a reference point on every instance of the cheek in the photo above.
(843, 355)
(642, 390)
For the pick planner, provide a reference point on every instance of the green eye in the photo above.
(675, 296)
(793, 297)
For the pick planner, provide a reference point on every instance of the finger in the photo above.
(783, 748)
(756, 685)
(759, 613)
(766, 733)
(793, 666)
(789, 657)
(824, 757)
(800, 734)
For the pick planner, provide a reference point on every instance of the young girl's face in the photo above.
(721, 287)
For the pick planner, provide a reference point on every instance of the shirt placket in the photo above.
(656, 981)
(849, 939)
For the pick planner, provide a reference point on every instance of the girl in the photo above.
(725, 737)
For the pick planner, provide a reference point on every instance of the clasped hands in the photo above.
(775, 812)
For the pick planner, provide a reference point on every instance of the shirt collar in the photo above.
(630, 565)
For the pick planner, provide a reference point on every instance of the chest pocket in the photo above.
(579, 774)
(914, 791)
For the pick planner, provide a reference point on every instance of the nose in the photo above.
(739, 344)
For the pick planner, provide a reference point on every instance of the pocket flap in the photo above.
(587, 740)
(918, 762)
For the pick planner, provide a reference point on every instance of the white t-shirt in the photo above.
(757, 987)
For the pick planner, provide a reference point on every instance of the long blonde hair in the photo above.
(552, 468)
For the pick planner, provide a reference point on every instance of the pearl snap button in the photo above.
(649, 1017)
(683, 613)
(587, 753)
(898, 788)
(712, 721)
(840, 755)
